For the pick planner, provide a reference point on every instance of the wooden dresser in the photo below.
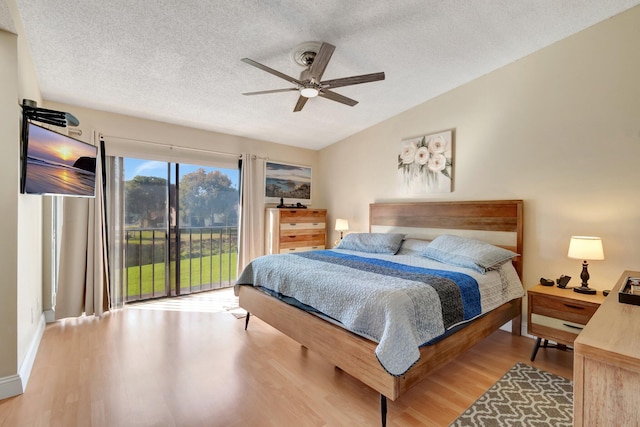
(606, 365)
(294, 230)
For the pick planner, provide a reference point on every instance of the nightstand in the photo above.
(558, 315)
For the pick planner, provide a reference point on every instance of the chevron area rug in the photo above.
(524, 396)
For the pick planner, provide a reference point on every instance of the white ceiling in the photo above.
(179, 61)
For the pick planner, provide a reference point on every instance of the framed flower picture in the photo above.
(425, 164)
(292, 183)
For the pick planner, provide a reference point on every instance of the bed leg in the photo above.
(246, 320)
(383, 410)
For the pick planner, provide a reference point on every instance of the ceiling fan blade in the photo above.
(354, 80)
(321, 60)
(337, 97)
(271, 71)
(301, 101)
(262, 92)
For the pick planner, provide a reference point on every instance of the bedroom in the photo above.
(558, 129)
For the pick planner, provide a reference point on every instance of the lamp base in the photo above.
(584, 290)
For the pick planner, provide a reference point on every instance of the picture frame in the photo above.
(289, 182)
(425, 163)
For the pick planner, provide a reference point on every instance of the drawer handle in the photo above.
(577, 307)
(573, 326)
(293, 225)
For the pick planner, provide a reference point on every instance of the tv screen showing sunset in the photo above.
(58, 164)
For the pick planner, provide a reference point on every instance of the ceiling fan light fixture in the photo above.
(309, 92)
(315, 57)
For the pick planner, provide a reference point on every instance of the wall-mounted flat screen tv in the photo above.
(56, 164)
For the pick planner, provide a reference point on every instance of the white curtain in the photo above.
(251, 227)
(83, 282)
(115, 226)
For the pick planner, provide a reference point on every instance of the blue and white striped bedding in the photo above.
(399, 301)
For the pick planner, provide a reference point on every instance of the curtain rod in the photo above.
(170, 146)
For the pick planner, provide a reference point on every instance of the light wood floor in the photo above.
(171, 368)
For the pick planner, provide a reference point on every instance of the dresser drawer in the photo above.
(293, 233)
(297, 216)
(302, 226)
(571, 310)
(302, 240)
(301, 249)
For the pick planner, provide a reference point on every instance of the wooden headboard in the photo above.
(499, 222)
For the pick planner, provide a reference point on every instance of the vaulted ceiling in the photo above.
(180, 61)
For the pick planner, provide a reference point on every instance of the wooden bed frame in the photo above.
(493, 221)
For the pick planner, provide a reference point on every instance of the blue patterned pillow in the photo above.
(469, 253)
(377, 243)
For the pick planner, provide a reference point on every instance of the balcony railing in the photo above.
(207, 261)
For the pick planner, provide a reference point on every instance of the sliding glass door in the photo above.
(181, 228)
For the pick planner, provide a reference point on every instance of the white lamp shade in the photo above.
(342, 224)
(586, 248)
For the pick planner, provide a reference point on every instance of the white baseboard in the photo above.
(14, 385)
(50, 316)
(10, 386)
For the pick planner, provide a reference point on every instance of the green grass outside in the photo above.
(209, 265)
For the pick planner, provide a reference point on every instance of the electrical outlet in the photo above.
(32, 315)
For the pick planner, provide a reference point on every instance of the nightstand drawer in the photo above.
(562, 308)
(555, 323)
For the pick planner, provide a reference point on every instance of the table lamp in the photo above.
(585, 248)
(342, 225)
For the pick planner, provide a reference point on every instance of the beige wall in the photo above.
(30, 243)
(9, 162)
(133, 128)
(559, 129)
(20, 257)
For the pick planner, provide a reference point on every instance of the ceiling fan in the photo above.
(314, 56)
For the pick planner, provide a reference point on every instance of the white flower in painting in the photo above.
(437, 162)
(408, 152)
(422, 155)
(438, 144)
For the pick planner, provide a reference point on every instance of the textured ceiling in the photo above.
(6, 23)
(179, 61)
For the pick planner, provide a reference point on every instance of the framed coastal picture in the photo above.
(290, 182)
(425, 164)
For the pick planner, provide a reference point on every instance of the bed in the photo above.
(498, 222)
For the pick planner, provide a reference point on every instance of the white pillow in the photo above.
(413, 247)
(469, 253)
(377, 243)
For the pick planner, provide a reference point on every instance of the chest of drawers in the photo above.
(294, 230)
